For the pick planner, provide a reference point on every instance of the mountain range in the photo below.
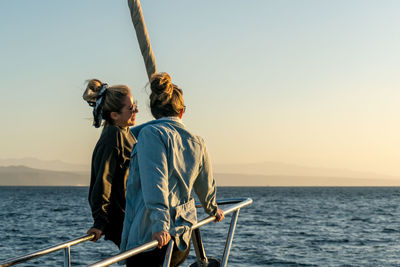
(35, 172)
(25, 176)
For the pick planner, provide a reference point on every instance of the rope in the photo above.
(142, 36)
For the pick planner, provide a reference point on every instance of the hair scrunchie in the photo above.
(98, 106)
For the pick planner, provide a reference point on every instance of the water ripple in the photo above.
(283, 227)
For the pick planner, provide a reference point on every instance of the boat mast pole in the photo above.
(142, 36)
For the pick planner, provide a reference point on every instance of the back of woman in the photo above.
(168, 177)
(167, 163)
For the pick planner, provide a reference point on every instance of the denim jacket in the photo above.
(166, 164)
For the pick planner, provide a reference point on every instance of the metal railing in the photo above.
(66, 246)
(237, 204)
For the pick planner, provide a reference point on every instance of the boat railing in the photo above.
(202, 260)
(66, 246)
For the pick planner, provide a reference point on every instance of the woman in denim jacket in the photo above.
(166, 164)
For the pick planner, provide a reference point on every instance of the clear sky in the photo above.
(308, 82)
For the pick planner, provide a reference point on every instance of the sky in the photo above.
(313, 82)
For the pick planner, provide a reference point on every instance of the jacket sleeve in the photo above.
(153, 169)
(205, 187)
(104, 168)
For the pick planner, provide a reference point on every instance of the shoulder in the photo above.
(187, 134)
(153, 129)
(137, 129)
(111, 136)
(149, 127)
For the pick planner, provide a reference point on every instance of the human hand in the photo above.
(219, 216)
(162, 237)
(97, 233)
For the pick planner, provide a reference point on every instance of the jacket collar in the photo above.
(171, 120)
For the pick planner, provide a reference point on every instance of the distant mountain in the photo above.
(40, 172)
(261, 168)
(53, 165)
(227, 179)
(292, 170)
(21, 175)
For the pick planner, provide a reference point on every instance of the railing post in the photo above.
(67, 257)
(168, 254)
(229, 239)
(199, 248)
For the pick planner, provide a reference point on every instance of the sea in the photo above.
(285, 226)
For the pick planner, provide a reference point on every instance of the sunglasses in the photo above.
(134, 107)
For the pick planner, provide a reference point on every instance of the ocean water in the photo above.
(285, 226)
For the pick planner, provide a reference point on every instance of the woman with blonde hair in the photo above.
(167, 163)
(111, 156)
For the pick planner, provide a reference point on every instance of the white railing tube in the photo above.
(45, 251)
(126, 254)
(240, 202)
(229, 240)
(168, 254)
(67, 257)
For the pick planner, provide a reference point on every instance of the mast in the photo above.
(142, 36)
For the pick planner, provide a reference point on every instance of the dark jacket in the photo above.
(109, 173)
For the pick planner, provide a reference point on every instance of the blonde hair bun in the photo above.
(111, 99)
(166, 98)
(92, 90)
(161, 84)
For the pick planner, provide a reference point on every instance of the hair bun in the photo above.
(160, 83)
(92, 90)
(165, 98)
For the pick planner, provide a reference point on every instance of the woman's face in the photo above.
(127, 115)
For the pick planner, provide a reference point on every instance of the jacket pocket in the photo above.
(186, 213)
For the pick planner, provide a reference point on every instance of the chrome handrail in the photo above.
(66, 246)
(240, 203)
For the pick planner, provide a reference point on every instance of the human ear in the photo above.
(114, 115)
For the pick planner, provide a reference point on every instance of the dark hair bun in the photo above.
(160, 83)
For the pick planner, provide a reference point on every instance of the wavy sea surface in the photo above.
(285, 226)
